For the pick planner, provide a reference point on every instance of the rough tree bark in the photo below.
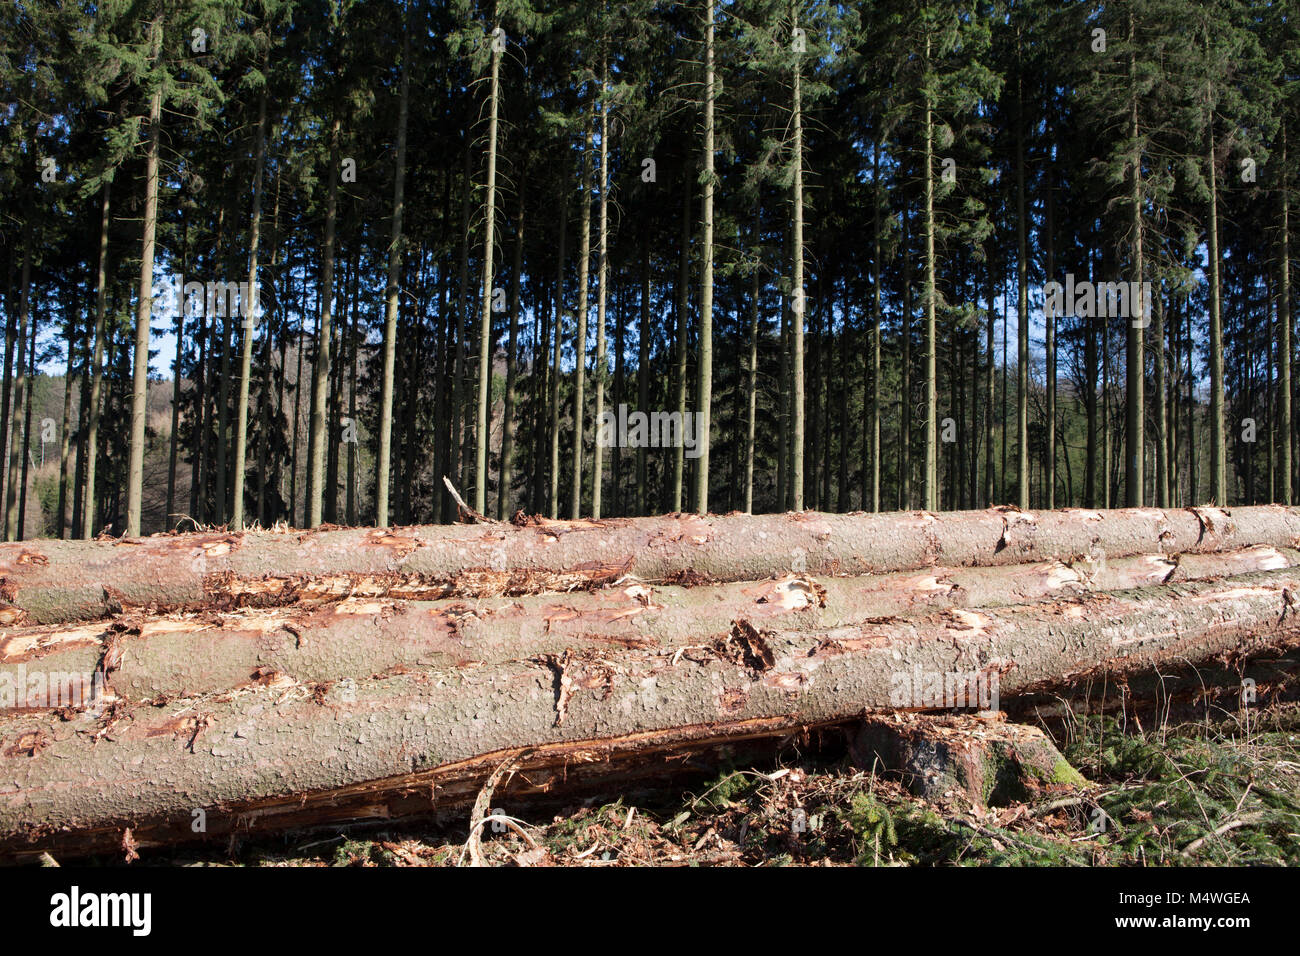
(377, 627)
(144, 301)
(285, 752)
(53, 581)
(391, 294)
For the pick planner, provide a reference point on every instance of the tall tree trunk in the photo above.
(1106, 468)
(1160, 410)
(316, 433)
(1175, 405)
(704, 384)
(223, 386)
(797, 290)
(297, 421)
(1022, 306)
(1218, 437)
(6, 388)
(905, 333)
(251, 316)
(875, 324)
(83, 402)
(643, 375)
(1137, 319)
(12, 531)
(602, 295)
(620, 392)
(553, 498)
(683, 334)
(1006, 364)
(1050, 336)
(198, 443)
(931, 494)
(27, 432)
(481, 436)
(512, 364)
(5, 392)
(173, 440)
(458, 381)
(1284, 343)
(144, 302)
(751, 389)
(580, 338)
(264, 418)
(392, 291)
(1091, 333)
(990, 385)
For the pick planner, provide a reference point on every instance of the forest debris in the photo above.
(466, 513)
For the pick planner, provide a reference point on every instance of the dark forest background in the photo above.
(474, 227)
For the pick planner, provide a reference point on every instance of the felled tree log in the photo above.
(45, 582)
(187, 654)
(284, 753)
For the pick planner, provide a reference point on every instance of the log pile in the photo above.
(218, 684)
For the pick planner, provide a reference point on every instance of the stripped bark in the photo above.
(56, 581)
(283, 752)
(379, 626)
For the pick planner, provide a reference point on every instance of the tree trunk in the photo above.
(990, 385)
(1218, 437)
(512, 364)
(683, 336)
(1022, 309)
(51, 581)
(65, 433)
(173, 440)
(1135, 427)
(144, 302)
(751, 387)
(251, 318)
(643, 377)
(553, 498)
(456, 456)
(875, 326)
(905, 391)
(1050, 341)
(1158, 397)
(481, 436)
(1284, 342)
(320, 377)
(580, 365)
(186, 655)
(13, 530)
(264, 418)
(288, 746)
(797, 297)
(704, 378)
(392, 292)
(602, 298)
(27, 432)
(931, 491)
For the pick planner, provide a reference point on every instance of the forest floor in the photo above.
(1223, 792)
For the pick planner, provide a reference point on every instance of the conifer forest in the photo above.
(296, 262)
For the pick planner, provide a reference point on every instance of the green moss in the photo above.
(1063, 773)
